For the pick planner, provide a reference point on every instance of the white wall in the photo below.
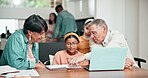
(143, 30)
(132, 25)
(112, 11)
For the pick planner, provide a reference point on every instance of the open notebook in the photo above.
(107, 58)
(61, 67)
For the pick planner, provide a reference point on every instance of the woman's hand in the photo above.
(39, 65)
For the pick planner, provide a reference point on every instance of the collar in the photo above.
(63, 11)
(107, 38)
(24, 36)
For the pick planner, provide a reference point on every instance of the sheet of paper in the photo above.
(61, 67)
(7, 69)
(23, 73)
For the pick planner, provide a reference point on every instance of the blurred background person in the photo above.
(84, 45)
(51, 25)
(65, 23)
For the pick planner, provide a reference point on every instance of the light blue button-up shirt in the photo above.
(16, 50)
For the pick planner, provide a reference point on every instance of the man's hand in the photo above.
(128, 63)
(75, 60)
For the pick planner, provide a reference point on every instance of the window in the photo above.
(8, 24)
(29, 3)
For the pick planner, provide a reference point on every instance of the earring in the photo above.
(29, 38)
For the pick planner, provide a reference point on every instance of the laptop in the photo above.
(107, 58)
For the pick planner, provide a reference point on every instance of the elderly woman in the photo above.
(21, 49)
(71, 42)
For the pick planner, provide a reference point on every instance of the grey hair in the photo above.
(98, 22)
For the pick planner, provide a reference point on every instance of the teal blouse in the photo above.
(16, 50)
(65, 23)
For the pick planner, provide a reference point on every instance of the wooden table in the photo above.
(82, 73)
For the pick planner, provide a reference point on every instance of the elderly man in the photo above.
(104, 37)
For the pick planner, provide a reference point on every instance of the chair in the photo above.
(1, 52)
(49, 48)
(50, 61)
(139, 60)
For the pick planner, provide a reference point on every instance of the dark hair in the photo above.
(58, 7)
(55, 17)
(35, 23)
(71, 36)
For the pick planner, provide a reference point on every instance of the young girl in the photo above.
(71, 42)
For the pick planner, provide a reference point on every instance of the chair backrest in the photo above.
(1, 52)
(49, 48)
(139, 60)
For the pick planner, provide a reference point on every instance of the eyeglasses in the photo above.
(72, 44)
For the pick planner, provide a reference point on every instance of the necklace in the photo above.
(71, 53)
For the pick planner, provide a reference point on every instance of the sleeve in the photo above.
(87, 56)
(83, 63)
(17, 54)
(57, 26)
(36, 52)
(56, 60)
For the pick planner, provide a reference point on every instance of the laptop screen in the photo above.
(108, 58)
